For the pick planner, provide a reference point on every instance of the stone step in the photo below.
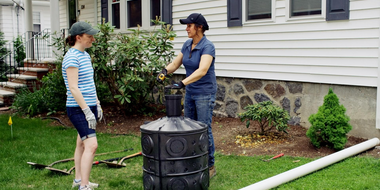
(11, 86)
(21, 77)
(6, 93)
(33, 69)
(6, 97)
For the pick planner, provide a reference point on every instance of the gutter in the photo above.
(378, 85)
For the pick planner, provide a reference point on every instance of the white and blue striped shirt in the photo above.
(86, 84)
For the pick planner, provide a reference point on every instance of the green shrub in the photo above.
(267, 115)
(54, 89)
(329, 125)
(29, 103)
(19, 51)
(3, 51)
(126, 64)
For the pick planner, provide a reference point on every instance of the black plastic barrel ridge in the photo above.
(175, 151)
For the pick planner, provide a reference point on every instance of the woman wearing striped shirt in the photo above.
(82, 104)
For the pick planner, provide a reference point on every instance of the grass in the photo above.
(37, 141)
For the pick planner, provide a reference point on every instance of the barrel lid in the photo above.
(173, 125)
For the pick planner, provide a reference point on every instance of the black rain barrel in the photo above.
(175, 151)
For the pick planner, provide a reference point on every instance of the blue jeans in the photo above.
(199, 107)
(78, 119)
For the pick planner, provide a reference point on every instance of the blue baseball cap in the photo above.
(196, 18)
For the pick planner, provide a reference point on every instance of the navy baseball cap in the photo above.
(195, 18)
(81, 28)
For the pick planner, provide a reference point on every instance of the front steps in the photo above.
(28, 77)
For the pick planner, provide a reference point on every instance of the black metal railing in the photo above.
(36, 46)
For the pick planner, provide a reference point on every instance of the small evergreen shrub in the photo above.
(3, 51)
(329, 125)
(19, 51)
(268, 115)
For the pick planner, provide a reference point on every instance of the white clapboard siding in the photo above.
(305, 50)
(44, 15)
(87, 14)
(63, 17)
(8, 24)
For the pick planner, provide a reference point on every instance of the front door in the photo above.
(72, 12)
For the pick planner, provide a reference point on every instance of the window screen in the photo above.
(259, 9)
(306, 7)
(155, 9)
(134, 13)
(116, 13)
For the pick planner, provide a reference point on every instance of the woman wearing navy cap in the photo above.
(198, 57)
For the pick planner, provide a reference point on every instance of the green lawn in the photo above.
(35, 140)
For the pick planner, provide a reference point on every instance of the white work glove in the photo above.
(100, 112)
(90, 117)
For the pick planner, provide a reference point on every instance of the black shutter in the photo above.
(234, 13)
(167, 11)
(104, 10)
(337, 9)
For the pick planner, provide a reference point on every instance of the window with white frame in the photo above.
(305, 7)
(132, 13)
(36, 22)
(258, 9)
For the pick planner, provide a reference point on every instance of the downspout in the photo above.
(96, 12)
(378, 85)
(312, 166)
(29, 29)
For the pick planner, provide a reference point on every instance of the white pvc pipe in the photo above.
(312, 166)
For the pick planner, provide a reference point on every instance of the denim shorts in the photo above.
(78, 119)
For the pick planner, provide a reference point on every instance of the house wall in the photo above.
(11, 27)
(308, 50)
(313, 53)
(44, 16)
(8, 22)
(86, 13)
(63, 15)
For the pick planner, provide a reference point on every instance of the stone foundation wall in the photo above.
(299, 99)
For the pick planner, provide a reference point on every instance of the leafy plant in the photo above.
(19, 51)
(29, 103)
(330, 124)
(267, 115)
(3, 53)
(54, 90)
(126, 64)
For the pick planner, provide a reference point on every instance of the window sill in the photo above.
(259, 21)
(127, 30)
(301, 18)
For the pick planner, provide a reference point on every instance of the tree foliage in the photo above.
(330, 124)
(19, 51)
(126, 64)
(268, 116)
(3, 53)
